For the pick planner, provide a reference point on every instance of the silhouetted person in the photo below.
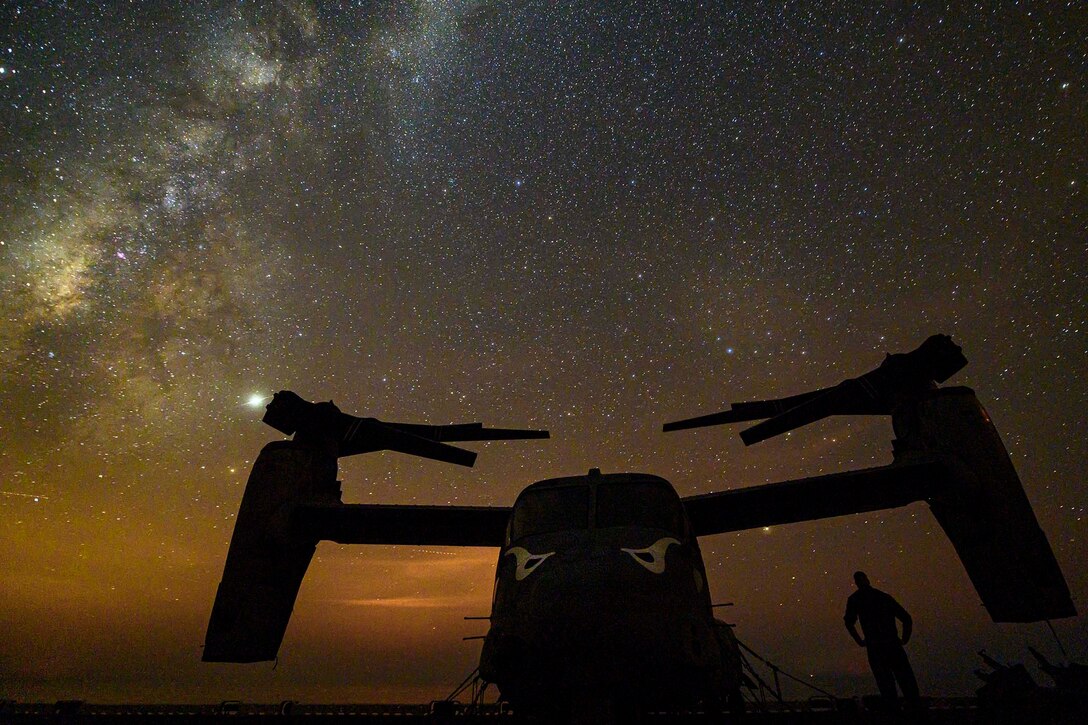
(877, 612)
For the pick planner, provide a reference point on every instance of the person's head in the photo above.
(861, 580)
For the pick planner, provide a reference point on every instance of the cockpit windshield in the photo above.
(544, 510)
(639, 504)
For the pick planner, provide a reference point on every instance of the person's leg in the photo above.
(882, 671)
(904, 673)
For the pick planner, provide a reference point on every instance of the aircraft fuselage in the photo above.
(601, 592)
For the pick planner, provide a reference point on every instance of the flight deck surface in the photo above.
(938, 711)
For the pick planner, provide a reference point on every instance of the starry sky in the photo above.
(591, 217)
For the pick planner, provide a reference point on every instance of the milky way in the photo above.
(591, 217)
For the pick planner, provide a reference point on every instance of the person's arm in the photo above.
(908, 624)
(851, 619)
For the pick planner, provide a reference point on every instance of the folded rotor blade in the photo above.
(878, 392)
(368, 434)
(850, 397)
(741, 412)
(702, 421)
(469, 432)
(406, 525)
(292, 415)
(756, 409)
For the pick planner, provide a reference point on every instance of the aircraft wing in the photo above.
(405, 525)
(809, 499)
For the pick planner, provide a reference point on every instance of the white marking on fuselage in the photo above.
(655, 552)
(527, 562)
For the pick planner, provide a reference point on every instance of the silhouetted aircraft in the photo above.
(601, 601)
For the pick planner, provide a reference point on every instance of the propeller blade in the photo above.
(366, 435)
(851, 397)
(324, 422)
(756, 409)
(702, 421)
(880, 391)
(790, 420)
(469, 432)
(741, 412)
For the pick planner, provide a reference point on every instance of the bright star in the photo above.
(255, 400)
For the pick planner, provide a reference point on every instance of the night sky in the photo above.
(591, 217)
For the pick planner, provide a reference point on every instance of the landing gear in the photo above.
(726, 707)
(582, 710)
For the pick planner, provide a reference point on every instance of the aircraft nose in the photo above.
(614, 613)
(583, 584)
